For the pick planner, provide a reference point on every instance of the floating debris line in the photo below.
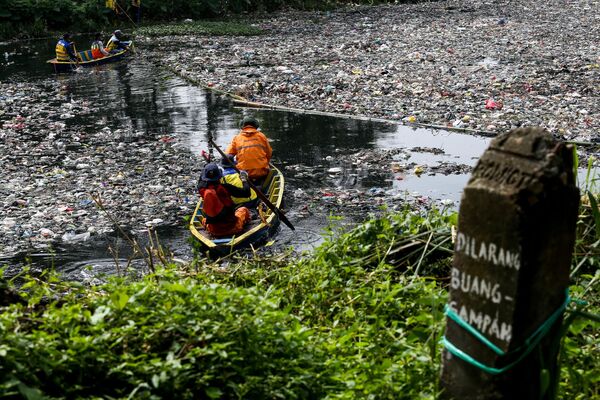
(477, 66)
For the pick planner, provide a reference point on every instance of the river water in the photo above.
(137, 94)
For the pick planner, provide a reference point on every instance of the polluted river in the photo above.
(129, 136)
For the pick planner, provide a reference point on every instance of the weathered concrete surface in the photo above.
(516, 233)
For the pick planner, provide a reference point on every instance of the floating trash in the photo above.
(419, 62)
(52, 171)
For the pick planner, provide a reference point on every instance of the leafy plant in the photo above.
(320, 326)
(18, 16)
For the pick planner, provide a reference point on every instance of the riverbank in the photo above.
(479, 65)
(358, 318)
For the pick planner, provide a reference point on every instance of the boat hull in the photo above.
(87, 60)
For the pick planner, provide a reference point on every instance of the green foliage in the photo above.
(580, 355)
(159, 336)
(405, 240)
(27, 17)
(319, 327)
(323, 326)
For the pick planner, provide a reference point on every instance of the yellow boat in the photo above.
(256, 233)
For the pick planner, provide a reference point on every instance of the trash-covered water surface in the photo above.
(119, 145)
(61, 156)
(481, 64)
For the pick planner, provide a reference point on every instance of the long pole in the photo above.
(259, 193)
(125, 12)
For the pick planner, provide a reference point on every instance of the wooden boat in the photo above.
(256, 233)
(87, 60)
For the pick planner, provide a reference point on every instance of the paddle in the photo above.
(77, 57)
(260, 194)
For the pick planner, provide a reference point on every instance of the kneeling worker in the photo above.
(221, 218)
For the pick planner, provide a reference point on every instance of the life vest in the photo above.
(96, 46)
(252, 150)
(217, 205)
(113, 43)
(62, 52)
(233, 178)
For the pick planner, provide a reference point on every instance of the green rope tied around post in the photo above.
(528, 345)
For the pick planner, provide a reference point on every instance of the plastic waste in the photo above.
(72, 237)
(490, 104)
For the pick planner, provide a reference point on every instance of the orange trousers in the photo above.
(242, 216)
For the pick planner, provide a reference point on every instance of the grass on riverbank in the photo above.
(326, 326)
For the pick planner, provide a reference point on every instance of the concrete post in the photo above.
(516, 233)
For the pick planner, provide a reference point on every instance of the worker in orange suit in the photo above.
(252, 150)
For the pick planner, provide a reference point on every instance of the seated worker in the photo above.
(252, 150)
(98, 48)
(231, 177)
(65, 49)
(221, 218)
(115, 44)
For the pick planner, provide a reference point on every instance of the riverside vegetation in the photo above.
(34, 18)
(361, 317)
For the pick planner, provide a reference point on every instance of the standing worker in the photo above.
(252, 150)
(136, 6)
(98, 48)
(65, 49)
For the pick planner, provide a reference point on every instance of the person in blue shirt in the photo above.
(65, 49)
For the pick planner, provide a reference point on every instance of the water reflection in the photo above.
(454, 148)
(301, 138)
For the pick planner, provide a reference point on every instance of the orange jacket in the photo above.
(98, 50)
(253, 152)
(217, 205)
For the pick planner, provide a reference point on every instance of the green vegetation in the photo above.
(35, 18)
(580, 357)
(353, 320)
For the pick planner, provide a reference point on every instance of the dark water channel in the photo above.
(312, 150)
